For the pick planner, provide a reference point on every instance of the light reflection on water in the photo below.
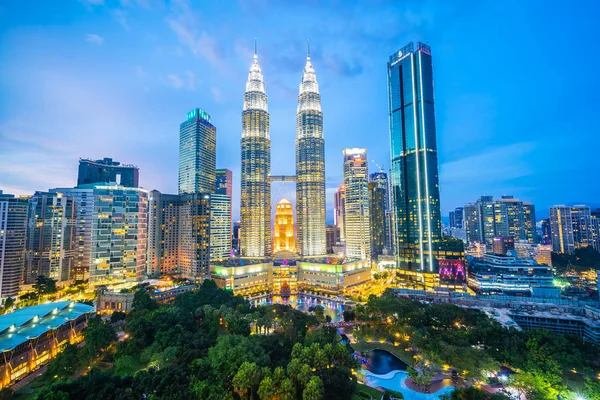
(333, 308)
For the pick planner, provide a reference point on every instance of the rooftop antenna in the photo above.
(255, 53)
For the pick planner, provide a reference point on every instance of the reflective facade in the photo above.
(13, 231)
(107, 171)
(310, 167)
(377, 218)
(339, 209)
(356, 217)
(119, 234)
(197, 153)
(283, 228)
(51, 228)
(414, 176)
(220, 226)
(255, 202)
(561, 225)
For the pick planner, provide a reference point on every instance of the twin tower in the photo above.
(255, 205)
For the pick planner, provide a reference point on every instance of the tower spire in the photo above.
(255, 52)
(308, 49)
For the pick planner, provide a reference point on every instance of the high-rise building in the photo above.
(473, 223)
(502, 244)
(224, 182)
(51, 230)
(235, 241)
(456, 218)
(356, 216)
(197, 153)
(194, 235)
(546, 231)
(414, 176)
(119, 234)
(84, 203)
(283, 228)
(505, 217)
(381, 180)
(582, 232)
(339, 209)
(333, 238)
(561, 225)
(107, 171)
(377, 218)
(220, 226)
(255, 202)
(310, 167)
(163, 233)
(13, 231)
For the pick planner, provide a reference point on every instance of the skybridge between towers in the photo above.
(282, 178)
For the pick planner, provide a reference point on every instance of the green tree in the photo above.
(44, 285)
(126, 366)
(142, 301)
(267, 390)
(313, 389)
(65, 364)
(98, 336)
(247, 379)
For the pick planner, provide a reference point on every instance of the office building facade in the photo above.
(163, 233)
(561, 226)
(51, 240)
(119, 235)
(310, 167)
(356, 216)
(456, 218)
(414, 175)
(107, 171)
(220, 226)
(255, 201)
(339, 209)
(197, 153)
(13, 233)
(224, 182)
(377, 218)
(194, 236)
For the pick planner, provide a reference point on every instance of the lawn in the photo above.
(365, 393)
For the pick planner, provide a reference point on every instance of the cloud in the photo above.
(95, 39)
(489, 167)
(175, 81)
(188, 82)
(121, 17)
(184, 23)
(217, 94)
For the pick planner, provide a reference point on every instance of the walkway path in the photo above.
(29, 378)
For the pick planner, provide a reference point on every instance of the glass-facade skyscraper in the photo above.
(197, 153)
(255, 201)
(310, 167)
(107, 171)
(13, 232)
(357, 222)
(414, 176)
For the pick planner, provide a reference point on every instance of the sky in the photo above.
(516, 88)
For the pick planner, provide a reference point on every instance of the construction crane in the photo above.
(378, 166)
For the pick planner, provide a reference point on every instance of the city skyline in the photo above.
(478, 121)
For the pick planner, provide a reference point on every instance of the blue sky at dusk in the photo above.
(516, 87)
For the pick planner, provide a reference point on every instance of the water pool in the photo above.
(381, 362)
(394, 380)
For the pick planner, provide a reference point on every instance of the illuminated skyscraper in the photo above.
(561, 225)
(220, 226)
(107, 171)
(13, 232)
(197, 153)
(283, 228)
(310, 167)
(356, 217)
(255, 202)
(377, 218)
(339, 208)
(224, 182)
(414, 180)
(51, 228)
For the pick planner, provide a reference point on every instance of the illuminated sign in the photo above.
(452, 270)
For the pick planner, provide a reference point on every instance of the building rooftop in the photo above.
(31, 322)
